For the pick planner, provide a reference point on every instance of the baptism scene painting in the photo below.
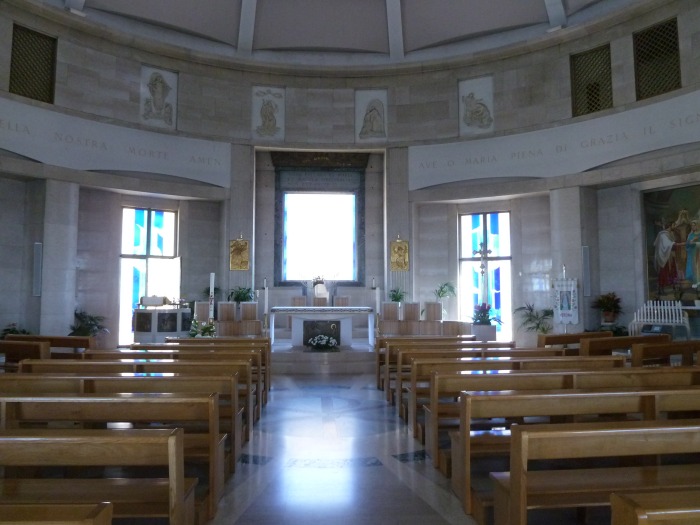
(672, 222)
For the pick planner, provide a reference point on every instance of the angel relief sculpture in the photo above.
(476, 112)
(373, 121)
(155, 106)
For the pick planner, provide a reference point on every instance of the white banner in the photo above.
(565, 301)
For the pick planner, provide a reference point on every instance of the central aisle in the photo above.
(328, 449)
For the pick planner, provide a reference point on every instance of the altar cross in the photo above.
(483, 254)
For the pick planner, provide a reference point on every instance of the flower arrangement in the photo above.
(482, 314)
(323, 342)
(608, 302)
(202, 330)
(317, 280)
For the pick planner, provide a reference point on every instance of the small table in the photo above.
(343, 314)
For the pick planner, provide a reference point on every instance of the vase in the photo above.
(484, 332)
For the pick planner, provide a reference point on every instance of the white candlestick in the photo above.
(211, 296)
(376, 300)
(265, 311)
(265, 282)
(374, 284)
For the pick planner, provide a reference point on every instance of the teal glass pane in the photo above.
(498, 234)
(162, 233)
(472, 233)
(134, 232)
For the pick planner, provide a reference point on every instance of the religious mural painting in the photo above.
(158, 98)
(672, 231)
(268, 107)
(370, 115)
(475, 106)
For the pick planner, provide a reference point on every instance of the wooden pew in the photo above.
(568, 340)
(59, 343)
(521, 488)
(606, 345)
(382, 341)
(226, 386)
(242, 368)
(56, 514)
(403, 362)
(15, 351)
(254, 343)
(670, 507)
(190, 353)
(643, 351)
(393, 348)
(418, 389)
(442, 412)
(475, 407)
(197, 413)
(170, 497)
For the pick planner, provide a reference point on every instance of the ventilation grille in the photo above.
(591, 81)
(657, 62)
(33, 66)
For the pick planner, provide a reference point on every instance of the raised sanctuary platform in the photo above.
(342, 314)
(354, 358)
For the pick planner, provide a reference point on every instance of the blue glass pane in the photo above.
(158, 221)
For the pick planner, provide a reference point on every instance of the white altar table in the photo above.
(320, 313)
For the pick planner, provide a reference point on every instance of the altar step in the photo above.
(357, 358)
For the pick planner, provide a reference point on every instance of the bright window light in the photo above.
(319, 237)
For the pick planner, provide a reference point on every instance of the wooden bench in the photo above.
(60, 343)
(393, 349)
(170, 497)
(672, 507)
(521, 489)
(403, 362)
(475, 407)
(569, 340)
(248, 394)
(198, 414)
(56, 514)
(382, 341)
(639, 352)
(261, 344)
(226, 386)
(15, 351)
(418, 389)
(191, 353)
(607, 345)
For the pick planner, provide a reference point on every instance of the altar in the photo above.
(342, 314)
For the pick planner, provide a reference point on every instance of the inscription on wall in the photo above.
(560, 150)
(71, 142)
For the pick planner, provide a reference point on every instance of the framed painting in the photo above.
(398, 259)
(239, 255)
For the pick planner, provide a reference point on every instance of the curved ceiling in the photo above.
(337, 32)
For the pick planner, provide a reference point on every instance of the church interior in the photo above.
(324, 196)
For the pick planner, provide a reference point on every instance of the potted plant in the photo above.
(12, 328)
(481, 323)
(445, 290)
(397, 295)
(86, 324)
(534, 320)
(241, 294)
(609, 304)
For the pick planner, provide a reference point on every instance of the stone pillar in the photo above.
(574, 224)
(59, 266)
(397, 217)
(239, 216)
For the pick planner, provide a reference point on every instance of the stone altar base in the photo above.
(357, 358)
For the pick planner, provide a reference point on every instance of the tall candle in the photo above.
(374, 285)
(376, 300)
(211, 296)
(265, 282)
(265, 311)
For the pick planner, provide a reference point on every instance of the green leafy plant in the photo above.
(202, 330)
(397, 295)
(12, 328)
(445, 290)
(87, 324)
(608, 302)
(241, 294)
(534, 320)
(482, 314)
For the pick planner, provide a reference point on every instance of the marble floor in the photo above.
(329, 449)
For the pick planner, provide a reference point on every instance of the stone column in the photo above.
(574, 225)
(59, 268)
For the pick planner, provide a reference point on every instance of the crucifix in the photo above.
(483, 253)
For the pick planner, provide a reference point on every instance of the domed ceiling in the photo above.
(343, 32)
